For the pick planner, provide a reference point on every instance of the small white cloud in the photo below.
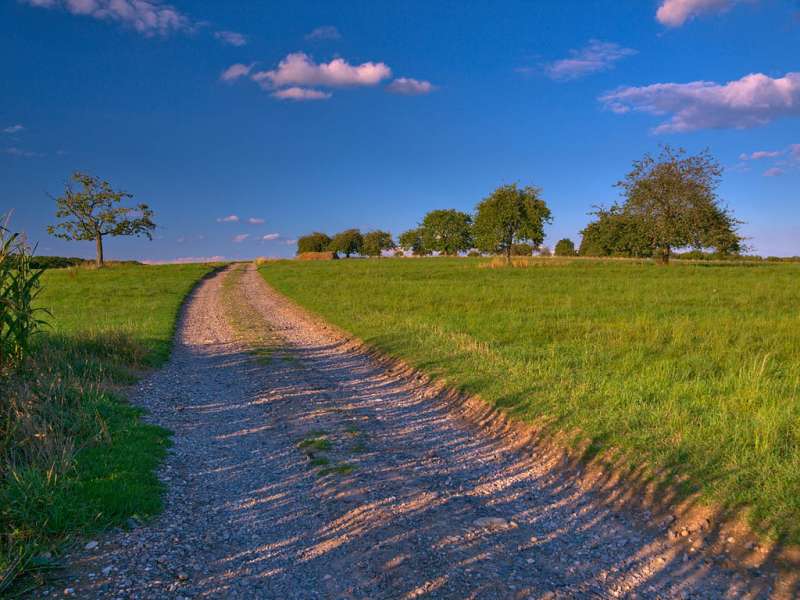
(231, 38)
(271, 236)
(13, 129)
(773, 172)
(299, 69)
(255, 221)
(761, 154)
(326, 32)
(753, 100)
(290, 242)
(410, 87)
(594, 57)
(300, 94)
(236, 71)
(238, 239)
(674, 13)
(228, 219)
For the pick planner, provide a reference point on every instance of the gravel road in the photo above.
(319, 473)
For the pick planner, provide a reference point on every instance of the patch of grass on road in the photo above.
(693, 368)
(75, 457)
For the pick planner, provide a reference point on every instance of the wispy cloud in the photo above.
(238, 239)
(300, 94)
(236, 71)
(325, 32)
(148, 17)
(299, 69)
(14, 151)
(255, 221)
(674, 13)
(773, 172)
(13, 129)
(270, 237)
(758, 155)
(231, 38)
(228, 219)
(753, 100)
(410, 87)
(595, 56)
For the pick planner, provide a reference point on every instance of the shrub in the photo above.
(544, 251)
(473, 253)
(521, 250)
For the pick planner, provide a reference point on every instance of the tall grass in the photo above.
(692, 369)
(75, 457)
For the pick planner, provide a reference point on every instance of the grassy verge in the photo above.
(693, 369)
(75, 457)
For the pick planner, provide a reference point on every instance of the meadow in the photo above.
(692, 370)
(75, 457)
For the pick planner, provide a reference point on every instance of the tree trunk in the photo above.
(99, 244)
(664, 256)
(508, 254)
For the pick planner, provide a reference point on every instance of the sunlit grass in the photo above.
(693, 369)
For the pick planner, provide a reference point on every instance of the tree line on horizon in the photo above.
(669, 202)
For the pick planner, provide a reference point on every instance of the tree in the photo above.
(565, 247)
(522, 250)
(448, 231)
(347, 242)
(377, 241)
(313, 242)
(92, 212)
(510, 215)
(412, 240)
(673, 199)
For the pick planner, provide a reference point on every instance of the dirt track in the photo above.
(391, 496)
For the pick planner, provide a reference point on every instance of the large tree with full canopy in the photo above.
(510, 215)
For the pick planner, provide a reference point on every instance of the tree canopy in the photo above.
(377, 241)
(673, 199)
(510, 215)
(447, 231)
(411, 240)
(93, 212)
(313, 242)
(347, 242)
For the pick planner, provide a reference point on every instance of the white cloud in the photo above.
(410, 87)
(674, 13)
(240, 238)
(298, 69)
(326, 32)
(758, 155)
(753, 100)
(231, 38)
(255, 221)
(148, 17)
(14, 151)
(271, 236)
(13, 129)
(794, 151)
(299, 94)
(773, 172)
(595, 56)
(290, 242)
(236, 71)
(228, 219)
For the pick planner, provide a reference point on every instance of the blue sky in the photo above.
(324, 115)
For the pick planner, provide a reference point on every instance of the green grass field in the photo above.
(693, 369)
(75, 457)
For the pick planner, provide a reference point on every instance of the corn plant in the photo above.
(19, 287)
